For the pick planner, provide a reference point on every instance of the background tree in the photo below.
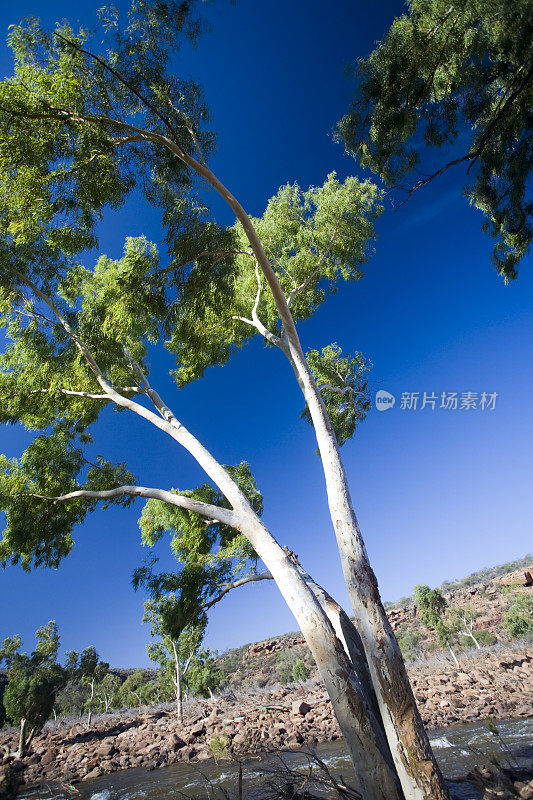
(454, 73)
(518, 621)
(432, 605)
(131, 691)
(33, 682)
(77, 131)
(92, 671)
(106, 691)
(462, 620)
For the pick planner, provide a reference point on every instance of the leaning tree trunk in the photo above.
(417, 769)
(348, 636)
(362, 732)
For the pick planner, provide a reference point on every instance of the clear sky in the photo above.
(439, 493)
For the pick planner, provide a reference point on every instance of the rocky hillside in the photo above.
(272, 661)
(496, 682)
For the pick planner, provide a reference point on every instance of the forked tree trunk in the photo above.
(361, 730)
(417, 769)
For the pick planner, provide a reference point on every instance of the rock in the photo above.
(94, 773)
(198, 729)
(76, 730)
(17, 766)
(106, 749)
(300, 707)
(175, 742)
(525, 790)
(50, 756)
(188, 753)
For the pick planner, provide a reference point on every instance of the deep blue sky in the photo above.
(438, 493)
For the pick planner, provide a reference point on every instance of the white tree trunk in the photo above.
(361, 731)
(22, 739)
(177, 685)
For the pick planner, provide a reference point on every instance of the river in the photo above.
(457, 749)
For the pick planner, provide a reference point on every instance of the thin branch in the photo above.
(227, 587)
(422, 182)
(215, 513)
(120, 78)
(303, 286)
(72, 393)
(474, 156)
(338, 390)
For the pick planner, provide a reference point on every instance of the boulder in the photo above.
(300, 708)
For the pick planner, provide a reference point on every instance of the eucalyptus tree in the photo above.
(431, 606)
(456, 73)
(32, 682)
(78, 131)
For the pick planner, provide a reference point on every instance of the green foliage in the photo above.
(410, 642)
(203, 675)
(519, 619)
(447, 69)
(67, 156)
(344, 387)
(484, 637)
(313, 239)
(430, 603)
(299, 670)
(132, 689)
(220, 746)
(33, 681)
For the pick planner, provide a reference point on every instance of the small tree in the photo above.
(91, 671)
(431, 605)
(106, 690)
(33, 682)
(409, 640)
(177, 643)
(519, 619)
(133, 687)
(203, 676)
(299, 671)
(462, 620)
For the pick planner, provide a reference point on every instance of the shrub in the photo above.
(299, 671)
(519, 619)
(410, 641)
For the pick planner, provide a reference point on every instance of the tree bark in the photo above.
(418, 771)
(177, 684)
(361, 730)
(22, 739)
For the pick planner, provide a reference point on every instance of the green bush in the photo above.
(519, 619)
(484, 637)
(410, 641)
(299, 671)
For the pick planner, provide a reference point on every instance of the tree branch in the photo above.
(120, 78)
(303, 286)
(72, 393)
(215, 513)
(227, 587)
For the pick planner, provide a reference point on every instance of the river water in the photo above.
(457, 749)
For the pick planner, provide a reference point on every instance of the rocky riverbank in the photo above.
(490, 683)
